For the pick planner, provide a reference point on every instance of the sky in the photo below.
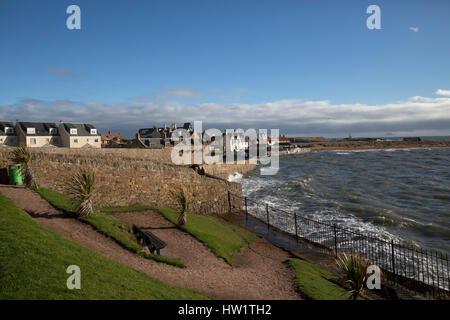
(309, 68)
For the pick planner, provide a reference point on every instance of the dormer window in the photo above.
(53, 130)
(31, 130)
(9, 130)
(73, 131)
(93, 131)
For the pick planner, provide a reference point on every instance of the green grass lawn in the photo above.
(34, 259)
(119, 231)
(222, 237)
(312, 284)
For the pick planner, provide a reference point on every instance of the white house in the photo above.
(8, 135)
(79, 135)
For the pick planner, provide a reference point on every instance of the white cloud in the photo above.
(414, 29)
(293, 115)
(443, 92)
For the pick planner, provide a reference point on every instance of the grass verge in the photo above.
(120, 231)
(34, 259)
(312, 284)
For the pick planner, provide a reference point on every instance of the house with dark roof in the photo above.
(8, 136)
(151, 138)
(157, 138)
(79, 135)
(37, 134)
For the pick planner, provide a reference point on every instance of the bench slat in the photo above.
(151, 240)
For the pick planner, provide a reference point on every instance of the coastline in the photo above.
(361, 145)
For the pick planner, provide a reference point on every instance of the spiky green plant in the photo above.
(81, 188)
(355, 269)
(182, 202)
(24, 156)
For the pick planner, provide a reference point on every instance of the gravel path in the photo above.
(259, 272)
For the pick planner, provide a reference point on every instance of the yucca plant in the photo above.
(24, 156)
(81, 188)
(182, 202)
(355, 269)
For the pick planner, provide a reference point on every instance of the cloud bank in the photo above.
(443, 92)
(416, 115)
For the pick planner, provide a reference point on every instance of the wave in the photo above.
(390, 194)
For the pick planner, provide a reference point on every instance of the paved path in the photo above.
(260, 271)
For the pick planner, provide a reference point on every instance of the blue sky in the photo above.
(306, 67)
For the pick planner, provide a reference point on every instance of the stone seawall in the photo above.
(125, 179)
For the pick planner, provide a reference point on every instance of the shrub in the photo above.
(182, 202)
(81, 188)
(355, 269)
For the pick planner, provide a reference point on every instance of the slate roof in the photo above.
(83, 129)
(150, 133)
(41, 128)
(3, 125)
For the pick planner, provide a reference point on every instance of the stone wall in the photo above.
(124, 180)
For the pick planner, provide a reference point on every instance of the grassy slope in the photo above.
(109, 226)
(33, 262)
(312, 285)
(222, 237)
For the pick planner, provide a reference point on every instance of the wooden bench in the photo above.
(146, 238)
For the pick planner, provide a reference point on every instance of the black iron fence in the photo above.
(421, 270)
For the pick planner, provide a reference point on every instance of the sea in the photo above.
(393, 193)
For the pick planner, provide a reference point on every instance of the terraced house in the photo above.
(8, 135)
(79, 135)
(37, 134)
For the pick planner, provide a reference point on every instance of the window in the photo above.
(53, 131)
(87, 140)
(31, 131)
(73, 131)
(75, 140)
(9, 130)
(93, 131)
(33, 141)
(1, 140)
(96, 140)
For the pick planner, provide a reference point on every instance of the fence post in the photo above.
(295, 219)
(393, 257)
(246, 210)
(267, 213)
(229, 201)
(335, 239)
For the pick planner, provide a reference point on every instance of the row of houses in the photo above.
(161, 137)
(158, 138)
(48, 134)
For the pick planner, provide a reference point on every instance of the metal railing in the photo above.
(424, 271)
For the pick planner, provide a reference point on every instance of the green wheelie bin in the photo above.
(15, 174)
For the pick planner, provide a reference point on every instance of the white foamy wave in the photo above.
(236, 177)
